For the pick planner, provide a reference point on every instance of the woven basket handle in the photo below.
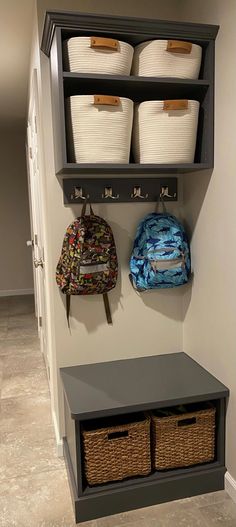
(178, 46)
(175, 104)
(118, 435)
(187, 421)
(101, 42)
(109, 100)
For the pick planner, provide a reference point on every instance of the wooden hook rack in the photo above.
(119, 190)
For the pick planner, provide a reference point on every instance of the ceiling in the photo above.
(16, 22)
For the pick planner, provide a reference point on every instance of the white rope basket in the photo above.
(97, 55)
(167, 58)
(165, 131)
(99, 128)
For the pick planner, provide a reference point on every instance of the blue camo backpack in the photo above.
(161, 253)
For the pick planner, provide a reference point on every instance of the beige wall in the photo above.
(148, 325)
(149, 8)
(16, 260)
(210, 305)
(153, 324)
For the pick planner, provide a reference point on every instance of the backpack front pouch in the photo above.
(162, 268)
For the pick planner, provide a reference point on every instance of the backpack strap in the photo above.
(163, 204)
(68, 310)
(106, 305)
(84, 209)
(107, 308)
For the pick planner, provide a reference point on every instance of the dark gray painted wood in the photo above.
(71, 439)
(205, 136)
(71, 476)
(79, 453)
(62, 25)
(131, 79)
(220, 430)
(137, 89)
(125, 386)
(132, 168)
(143, 494)
(118, 387)
(102, 501)
(152, 478)
(140, 29)
(58, 102)
(122, 187)
(105, 504)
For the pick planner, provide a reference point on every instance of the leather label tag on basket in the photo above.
(107, 99)
(178, 46)
(101, 42)
(175, 104)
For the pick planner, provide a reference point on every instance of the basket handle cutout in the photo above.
(187, 422)
(178, 46)
(101, 42)
(175, 104)
(107, 100)
(118, 435)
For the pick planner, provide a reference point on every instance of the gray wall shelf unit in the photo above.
(127, 386)
(61, 25)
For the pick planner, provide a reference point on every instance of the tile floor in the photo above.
(33, 485)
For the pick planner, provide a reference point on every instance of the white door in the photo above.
(33, 162)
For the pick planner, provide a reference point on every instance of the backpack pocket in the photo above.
(96, 277)
(166, 270)
(160, 268)
(91, 268)
(165, 265)
(166, 259)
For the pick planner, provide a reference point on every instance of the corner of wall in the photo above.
(230, 486)
(59, 440)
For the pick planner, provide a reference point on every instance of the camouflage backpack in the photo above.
(88, 263)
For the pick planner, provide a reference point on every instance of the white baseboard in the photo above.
(230, 486)
(59, 442)
(16, 292)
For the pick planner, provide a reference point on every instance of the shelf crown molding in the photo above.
(109, 24)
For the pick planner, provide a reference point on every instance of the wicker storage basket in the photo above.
(117, 451)
(99, 128)
(165, 131)
(97, 55)
(167, 58)
(183, 439)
